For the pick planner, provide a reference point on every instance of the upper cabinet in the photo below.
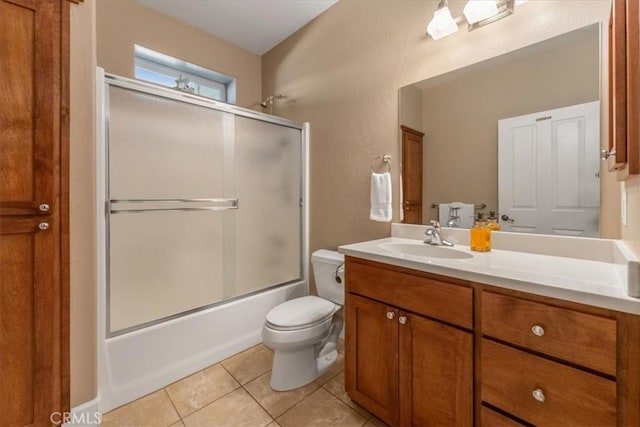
(624, 82)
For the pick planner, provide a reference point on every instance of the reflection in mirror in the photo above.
(546, 178)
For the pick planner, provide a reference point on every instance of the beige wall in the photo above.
(123, 23)
(411, 107)
(342, 71)
(82, 204)
(460, 113)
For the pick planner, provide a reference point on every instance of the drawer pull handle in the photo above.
(390, 315)
(538, 395)
(43, 226)
(537, 330)
(402, 320)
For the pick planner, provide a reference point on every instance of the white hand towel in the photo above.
(381, 209)
(401, 200)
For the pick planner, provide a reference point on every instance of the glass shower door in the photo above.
(169, 204)
(268, 180)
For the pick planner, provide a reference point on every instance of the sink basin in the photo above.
(421, 249)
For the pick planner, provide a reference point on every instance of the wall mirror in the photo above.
(518, 134)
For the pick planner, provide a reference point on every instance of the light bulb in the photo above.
(478, 10)
(442, 24)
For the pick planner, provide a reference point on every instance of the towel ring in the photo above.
(386, 159)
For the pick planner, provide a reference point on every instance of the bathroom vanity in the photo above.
(505, 338)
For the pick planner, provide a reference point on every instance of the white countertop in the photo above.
(598, 283)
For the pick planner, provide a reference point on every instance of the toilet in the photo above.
(303, 332)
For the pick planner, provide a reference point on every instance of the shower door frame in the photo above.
(106, 208)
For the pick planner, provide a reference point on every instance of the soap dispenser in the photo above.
(492, 221)
(480, 235)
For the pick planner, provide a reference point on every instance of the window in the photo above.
(164, 70)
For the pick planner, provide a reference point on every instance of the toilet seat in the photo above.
(300, 313)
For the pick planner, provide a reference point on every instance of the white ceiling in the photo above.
(255, 25)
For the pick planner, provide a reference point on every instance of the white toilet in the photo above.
(303, 332)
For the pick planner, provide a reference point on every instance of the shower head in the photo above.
(270, 100)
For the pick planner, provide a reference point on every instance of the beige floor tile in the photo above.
(178, 424)
(249, 364)
(335, 369)
(274, 424)
(200, 389)
(236, 409)
(321, 409)
(277, 402)
(336, 387)
(154, 409)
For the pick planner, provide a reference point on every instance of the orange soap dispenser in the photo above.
(480, 235)
(492, 222)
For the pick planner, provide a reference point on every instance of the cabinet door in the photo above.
(34, 380)
(371, 370)
(624, 87)
(436, 373)
(30, 350)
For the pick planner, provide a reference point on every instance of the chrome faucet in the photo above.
(433, 235)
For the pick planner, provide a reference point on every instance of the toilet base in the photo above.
(298, 368)
(293, 369)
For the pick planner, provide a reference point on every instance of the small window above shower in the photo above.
(165, 70)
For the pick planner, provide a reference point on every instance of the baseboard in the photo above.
(86, 414)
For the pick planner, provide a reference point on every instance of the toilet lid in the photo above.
(300, 312)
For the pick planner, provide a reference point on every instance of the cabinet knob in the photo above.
(43, 207)
(43, 226)
(537, 330)
(402, 320)
(390, 315)
(538, 395)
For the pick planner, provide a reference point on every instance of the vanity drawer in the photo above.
(584, 339)
(433, 298)
(566, 396)
(491, 418)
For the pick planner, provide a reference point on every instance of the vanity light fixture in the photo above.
(477, 13)
(442, 23)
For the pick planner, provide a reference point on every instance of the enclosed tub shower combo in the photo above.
(202, 230)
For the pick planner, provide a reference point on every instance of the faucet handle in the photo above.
(435, 224)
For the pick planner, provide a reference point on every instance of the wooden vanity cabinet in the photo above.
(408, 367)
(423, 349)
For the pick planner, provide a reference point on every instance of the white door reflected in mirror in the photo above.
(548, 171)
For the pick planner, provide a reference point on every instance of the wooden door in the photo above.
(548, 171)
(33, 207)
(436, 373)
(371, 370)
(412, 175)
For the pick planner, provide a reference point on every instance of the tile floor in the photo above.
(236, 392)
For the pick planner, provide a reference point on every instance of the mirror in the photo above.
(459, 114)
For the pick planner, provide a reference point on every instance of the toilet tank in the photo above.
(326, 266)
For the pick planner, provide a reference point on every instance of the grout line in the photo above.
(174, 406)
(218, 398)
(368, 417)
(273, 419)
